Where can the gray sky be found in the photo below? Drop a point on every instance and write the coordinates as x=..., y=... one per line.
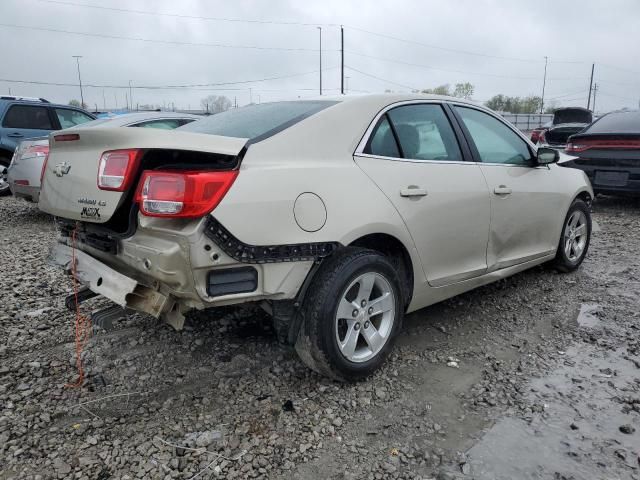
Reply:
x=523, y=31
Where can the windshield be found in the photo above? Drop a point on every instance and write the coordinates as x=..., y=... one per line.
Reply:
x=257, y=122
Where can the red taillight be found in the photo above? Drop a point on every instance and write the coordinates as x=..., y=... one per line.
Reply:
x=580, y=145
x=535, y=135
x=44, y=165
x=117, y=168
x=66, y=137
x=541, y=137
x=22, y=182
x=186, y=194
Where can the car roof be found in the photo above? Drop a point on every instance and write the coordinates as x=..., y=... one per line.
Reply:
x=388, y=98
x=41, y=102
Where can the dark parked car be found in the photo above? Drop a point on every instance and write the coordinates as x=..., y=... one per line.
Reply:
x=566, y=122
x=25, y=117
x=608, y=152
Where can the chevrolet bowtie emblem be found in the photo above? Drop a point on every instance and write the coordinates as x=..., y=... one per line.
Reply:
x=61, y=169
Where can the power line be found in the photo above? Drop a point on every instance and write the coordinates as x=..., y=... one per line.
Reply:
x=166, y=87
x=166, y=42
x=400, y=62
x=189, y=17
x=381, y=79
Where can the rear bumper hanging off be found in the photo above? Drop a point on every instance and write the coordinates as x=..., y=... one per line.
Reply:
x=104, y=280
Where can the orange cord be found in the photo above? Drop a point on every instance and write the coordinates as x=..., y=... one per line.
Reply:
x=83, y=322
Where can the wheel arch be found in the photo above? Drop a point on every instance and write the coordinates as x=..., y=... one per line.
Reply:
x=4, y=152
x=395, y=250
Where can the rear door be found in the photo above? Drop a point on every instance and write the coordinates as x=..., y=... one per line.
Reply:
x=414, y=157
x=525, y=199
x=25, y=121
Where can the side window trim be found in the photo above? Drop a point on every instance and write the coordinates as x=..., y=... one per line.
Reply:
x=382, y=114
x=395, y=134
x=474, y=150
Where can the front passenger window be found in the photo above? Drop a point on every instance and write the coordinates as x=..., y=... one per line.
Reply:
x=495, y=142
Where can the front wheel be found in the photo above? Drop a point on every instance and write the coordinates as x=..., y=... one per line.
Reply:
x=351, y=315
x=576, y=235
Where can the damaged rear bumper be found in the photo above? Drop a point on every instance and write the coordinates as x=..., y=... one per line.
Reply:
x=104, y=280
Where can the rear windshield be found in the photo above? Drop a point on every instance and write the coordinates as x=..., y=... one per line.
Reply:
x=572, y=115
x=257, y=122
x=618, y=122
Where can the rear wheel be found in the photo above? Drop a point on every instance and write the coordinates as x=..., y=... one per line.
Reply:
x=576, y=235
x=351, y=315
x=4, y=184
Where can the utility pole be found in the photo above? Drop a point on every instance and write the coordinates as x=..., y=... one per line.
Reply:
x=104, y=101
x=320, y=51
x=78, y=57
x=342, y=59
x=593, y=65
x=130, y=95
x=544, y=84
x=595, y=90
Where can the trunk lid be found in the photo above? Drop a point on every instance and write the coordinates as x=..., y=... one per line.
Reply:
x=572, y=115
x=69, y=185
x=560, y=134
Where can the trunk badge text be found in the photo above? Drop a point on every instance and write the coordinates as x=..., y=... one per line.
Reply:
x=61, y=169
x=92, y=201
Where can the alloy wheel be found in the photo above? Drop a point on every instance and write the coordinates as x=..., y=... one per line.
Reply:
x=365, y=316
x=575, y=236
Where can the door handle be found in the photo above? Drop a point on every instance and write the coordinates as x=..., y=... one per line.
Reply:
x=413, y=191
x=15, y=135
x=502, y=190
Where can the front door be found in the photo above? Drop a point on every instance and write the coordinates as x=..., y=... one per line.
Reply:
x=525, y=199
x=414, y=157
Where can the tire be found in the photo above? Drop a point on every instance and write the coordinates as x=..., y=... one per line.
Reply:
x=573, y=247
x=4, y=185
x=336, y=309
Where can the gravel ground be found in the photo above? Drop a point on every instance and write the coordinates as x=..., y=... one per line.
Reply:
x=536, y=376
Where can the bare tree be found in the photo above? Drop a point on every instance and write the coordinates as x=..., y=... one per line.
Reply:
x=215, y=103
x=463, y=90
x=439, y=90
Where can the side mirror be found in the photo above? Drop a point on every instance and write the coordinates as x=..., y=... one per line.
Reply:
x=546, y=156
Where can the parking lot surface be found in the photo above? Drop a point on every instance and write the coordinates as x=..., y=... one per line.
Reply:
x=536, y=376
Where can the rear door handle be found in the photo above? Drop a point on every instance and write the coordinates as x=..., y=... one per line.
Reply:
x=413, y=191
x=15, y=135
x=502, y=190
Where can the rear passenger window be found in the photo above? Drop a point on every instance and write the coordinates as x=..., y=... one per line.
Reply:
x=424, y=133
x=27, y=116
x=382, y=143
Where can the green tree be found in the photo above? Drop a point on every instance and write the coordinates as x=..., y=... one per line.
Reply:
x=463, y=90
